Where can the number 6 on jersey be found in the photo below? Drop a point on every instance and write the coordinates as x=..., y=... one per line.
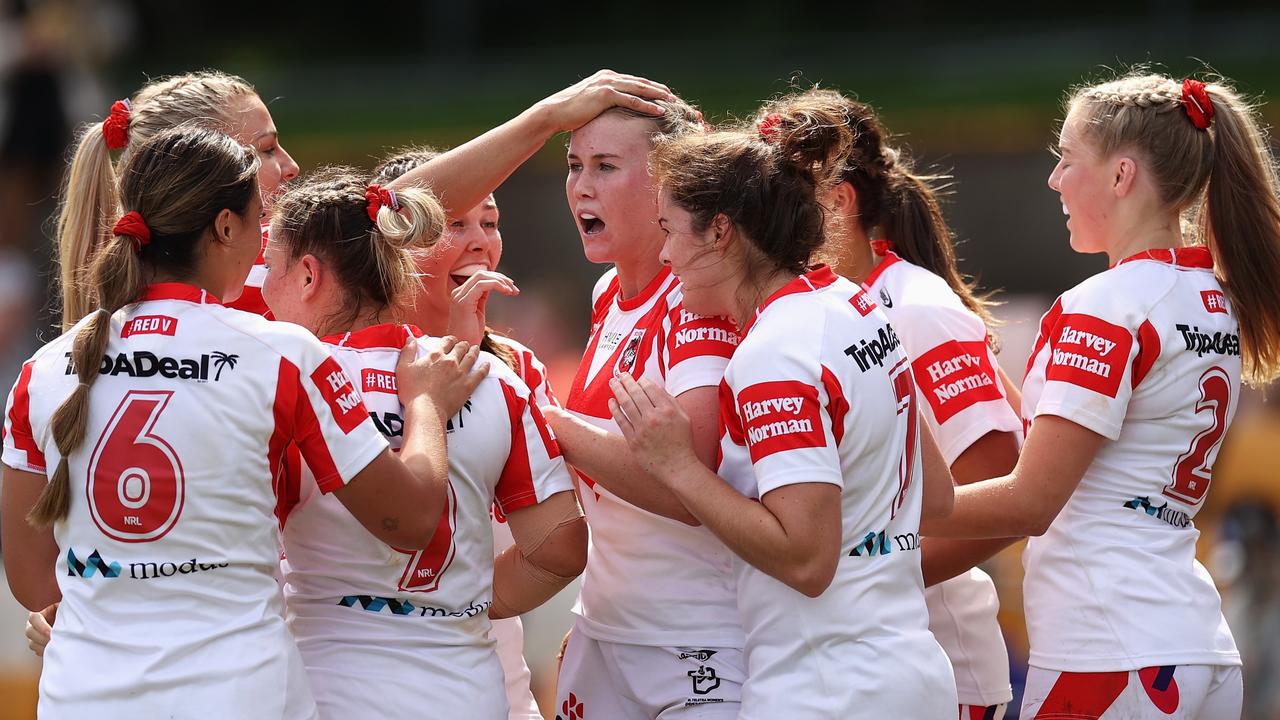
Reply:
x=135, y=483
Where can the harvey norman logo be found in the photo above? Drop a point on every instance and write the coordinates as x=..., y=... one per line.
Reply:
x=713, y=333
x=954, y=376
x=1089, y=352
x=780, y=415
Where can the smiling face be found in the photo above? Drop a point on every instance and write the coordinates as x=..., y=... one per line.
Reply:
x=1085, y=180
x=255, y=128
x=471, y=244
x=610, y=192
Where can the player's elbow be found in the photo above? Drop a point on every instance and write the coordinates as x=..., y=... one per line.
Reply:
x=32, y=591
x=565, y=553
x=811, y=577
x=937, y=505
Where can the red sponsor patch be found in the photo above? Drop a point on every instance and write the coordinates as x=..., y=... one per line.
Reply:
x=150, y=325
x=780, y=415
x=373, y=380
x=956, y=375
x=862, y=302
x=698, y=335
x=1214, y=301
x=336, y=389
x=1089, y=352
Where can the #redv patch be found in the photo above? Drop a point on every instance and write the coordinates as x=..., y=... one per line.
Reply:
x=862, y=302
x=374, y=380
x=336, y=389
x=150, y=325
x=780, y=415
x=955, y=376
x=1089, y=352
x=1214, y=301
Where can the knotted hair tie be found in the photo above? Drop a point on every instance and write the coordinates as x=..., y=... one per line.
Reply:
x=131, y=225
x=1197, y=103
x=881, y=247
x=115, y=129
x=769, y=127
x=377, y=196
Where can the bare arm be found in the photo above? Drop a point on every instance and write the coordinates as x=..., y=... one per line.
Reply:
x=939, y=490
x=399, y=500
x=29, y=553
x=462, y=177
x=993, y=455
x=550, y=551
x=1054, y=459
x=607, y=459
x=792, y=534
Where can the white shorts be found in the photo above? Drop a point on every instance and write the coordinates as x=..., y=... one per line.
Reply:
x=1172, y=692
x=509, y=636
x=618, y=681
x=350, y=681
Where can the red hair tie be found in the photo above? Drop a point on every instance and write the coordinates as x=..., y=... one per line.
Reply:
x=131, y=225
x=769, y=127
x=377, y=196
x=1197, y=103
x=881, y=247
x=115, y=129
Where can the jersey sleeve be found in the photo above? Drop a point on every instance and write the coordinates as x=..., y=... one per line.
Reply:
x=535, y=469
x=785, y=415
x=21, y=450
x=955, y=371
x=1086, y=353
x=533, y=372
x=696, y=349
x=326, y=417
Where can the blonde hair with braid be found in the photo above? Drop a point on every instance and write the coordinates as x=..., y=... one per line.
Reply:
x=1221, y=179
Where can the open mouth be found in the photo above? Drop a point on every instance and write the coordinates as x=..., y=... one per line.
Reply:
x=591, y=225
x=461, y=274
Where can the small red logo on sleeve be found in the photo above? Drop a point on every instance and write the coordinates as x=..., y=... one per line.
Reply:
x=150, y=325
x=862, y=302
x=956, y=375
x=780, y=415
x=694, y=335
x=1089, y=352
x=1214, y=301
x=336, y=389
x=374, y=380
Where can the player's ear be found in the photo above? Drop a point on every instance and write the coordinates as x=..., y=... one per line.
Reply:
x=311, y=277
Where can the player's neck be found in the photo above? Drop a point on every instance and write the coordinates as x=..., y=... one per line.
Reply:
x=365, y=317
x=1148, y=233
x=751, y=295
x=851, y=256
x=635, y=275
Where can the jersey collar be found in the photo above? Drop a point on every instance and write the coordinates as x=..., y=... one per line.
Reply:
x=1196, y=256
x=390, y=336
x=178, y=291
x=648, y=292
x=890, y=257
x=819, y=277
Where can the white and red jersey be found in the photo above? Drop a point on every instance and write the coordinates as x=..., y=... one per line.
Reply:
x=651, y=580
x=341, y=579
x=250, y=299
x=1146, y=354
x=168, y=554
x=955, y=372
x=820, y=391
x=531, y=370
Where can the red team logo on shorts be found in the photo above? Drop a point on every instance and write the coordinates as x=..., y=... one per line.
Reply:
x=780, y=415
x=337, y=390
x=955, y=376
x=1089, y=352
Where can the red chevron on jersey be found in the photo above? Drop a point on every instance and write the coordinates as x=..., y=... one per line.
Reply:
x=780, y=415
x=1089, y=352
x=954, y=376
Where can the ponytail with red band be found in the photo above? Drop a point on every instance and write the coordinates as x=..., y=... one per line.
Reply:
x=131, y=225
x=1197, y=103
x=377, y=196
x=115, y=129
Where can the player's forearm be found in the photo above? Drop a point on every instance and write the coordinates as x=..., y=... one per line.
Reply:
x=424, y=453
x=944, y=558
x=462, y=177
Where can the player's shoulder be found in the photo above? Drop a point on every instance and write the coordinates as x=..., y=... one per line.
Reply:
x=1125, y=293
x=905, y=284
x=605, y=289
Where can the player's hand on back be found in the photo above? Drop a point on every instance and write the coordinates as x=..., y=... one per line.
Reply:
x=656, y=428
x=443, y=376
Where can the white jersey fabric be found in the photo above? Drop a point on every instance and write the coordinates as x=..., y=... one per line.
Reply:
x=955, y=372
x=375, y=621
x=651, y=580
x=820, y=391
x=1146, y=354
x=170, y=607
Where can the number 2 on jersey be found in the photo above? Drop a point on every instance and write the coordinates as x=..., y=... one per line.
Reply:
x=426, y=566
x=905, y=390
x=135, y=483
x=1194, y=470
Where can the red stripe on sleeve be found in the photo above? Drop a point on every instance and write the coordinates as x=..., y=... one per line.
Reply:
x=837, y=405
x=295, y=414
x=1148, y=351
x=20, y=419
x=515, y=487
